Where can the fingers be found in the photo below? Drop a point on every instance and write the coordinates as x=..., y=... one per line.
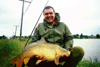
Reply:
x=41, y=57
x=44, y=59
x=37, y=56
x=65, y=56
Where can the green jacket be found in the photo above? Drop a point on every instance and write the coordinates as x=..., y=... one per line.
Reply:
x=58, y=33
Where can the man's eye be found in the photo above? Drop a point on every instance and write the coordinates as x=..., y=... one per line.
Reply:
x=51, y=13
x=46, y=14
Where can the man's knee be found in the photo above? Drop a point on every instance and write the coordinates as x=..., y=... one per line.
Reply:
x=77, y=52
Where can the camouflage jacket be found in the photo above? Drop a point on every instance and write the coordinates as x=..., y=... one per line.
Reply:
x=57, y=33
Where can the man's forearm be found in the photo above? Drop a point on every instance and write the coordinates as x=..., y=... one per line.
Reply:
x=69, y=44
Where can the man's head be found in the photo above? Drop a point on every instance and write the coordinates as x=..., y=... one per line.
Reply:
x=49, y=14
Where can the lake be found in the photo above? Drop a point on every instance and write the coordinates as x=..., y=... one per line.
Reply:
x=90, y=46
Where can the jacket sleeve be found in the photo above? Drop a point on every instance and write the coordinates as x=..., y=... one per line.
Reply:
x=36, y=36
x=68, y=38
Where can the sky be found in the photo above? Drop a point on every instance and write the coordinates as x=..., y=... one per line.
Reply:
x=81, y=16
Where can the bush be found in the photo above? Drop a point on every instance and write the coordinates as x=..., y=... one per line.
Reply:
x=8, y=50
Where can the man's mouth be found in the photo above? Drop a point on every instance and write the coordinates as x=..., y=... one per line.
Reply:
x=49, y=18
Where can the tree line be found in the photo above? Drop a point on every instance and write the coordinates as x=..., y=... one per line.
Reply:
x=81, y=36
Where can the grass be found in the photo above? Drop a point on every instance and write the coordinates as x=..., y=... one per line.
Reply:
x=89, y=63
x=11, y=48
x=8, y=50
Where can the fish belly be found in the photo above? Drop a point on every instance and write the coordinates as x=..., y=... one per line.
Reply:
x=49, y=54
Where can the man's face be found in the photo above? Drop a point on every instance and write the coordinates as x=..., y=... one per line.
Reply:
x=49, y=15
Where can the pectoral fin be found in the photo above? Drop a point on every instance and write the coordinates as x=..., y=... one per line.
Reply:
x=38, y=61
x=26, y=60
x=57, y=60
x=57, y=56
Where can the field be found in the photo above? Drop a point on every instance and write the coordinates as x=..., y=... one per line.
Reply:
x=11, y=48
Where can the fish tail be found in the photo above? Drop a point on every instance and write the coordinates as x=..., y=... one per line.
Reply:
x=16, y=59
x=19, y=64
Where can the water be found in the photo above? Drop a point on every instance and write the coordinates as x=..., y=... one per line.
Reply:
x=90, y=46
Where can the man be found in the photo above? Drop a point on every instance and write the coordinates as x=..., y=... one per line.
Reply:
x=58, y=33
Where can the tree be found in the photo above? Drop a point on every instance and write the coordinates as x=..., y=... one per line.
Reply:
x=3, y=37
x=81, y=36
x=26, y=37
x=76, y=36
x=97, y=36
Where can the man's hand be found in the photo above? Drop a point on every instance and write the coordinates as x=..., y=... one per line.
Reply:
x=41, y=58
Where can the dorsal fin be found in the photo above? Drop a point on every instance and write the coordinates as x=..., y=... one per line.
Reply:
x=42, y=40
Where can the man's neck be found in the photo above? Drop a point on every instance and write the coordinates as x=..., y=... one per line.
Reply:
x=53, y=22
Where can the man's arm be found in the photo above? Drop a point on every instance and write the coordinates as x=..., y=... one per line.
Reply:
x=36, y=35
x=68, y=38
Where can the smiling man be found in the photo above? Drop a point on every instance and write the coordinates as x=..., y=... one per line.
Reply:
x=49, y=15
x=53, y=30
x=56, y=32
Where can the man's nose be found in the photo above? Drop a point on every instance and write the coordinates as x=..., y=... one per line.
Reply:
x=48, y=14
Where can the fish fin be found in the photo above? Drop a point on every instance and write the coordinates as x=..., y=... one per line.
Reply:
x=38, y=61
x=42, y=40
x=57, y=56
x=16, y=59
x=57, y=60
x=26, y=60
x=19, y=64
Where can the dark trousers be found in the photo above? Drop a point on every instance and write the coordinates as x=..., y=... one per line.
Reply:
x=77, y=54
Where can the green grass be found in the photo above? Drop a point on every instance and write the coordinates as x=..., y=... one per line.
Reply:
x=11, y=48
x=89, y=63
x=8, y=50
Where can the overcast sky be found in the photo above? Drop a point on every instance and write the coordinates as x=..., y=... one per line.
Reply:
x=81, y=16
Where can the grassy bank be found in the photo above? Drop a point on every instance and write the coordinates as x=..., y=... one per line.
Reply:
x=11, y=48
x=8, y=50
x=89, y=63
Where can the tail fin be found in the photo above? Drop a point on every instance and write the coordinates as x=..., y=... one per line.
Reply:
x=15, y=59
x=19, y=64
x=18, y=61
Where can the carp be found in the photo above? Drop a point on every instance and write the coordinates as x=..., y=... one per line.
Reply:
x=49, y=51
